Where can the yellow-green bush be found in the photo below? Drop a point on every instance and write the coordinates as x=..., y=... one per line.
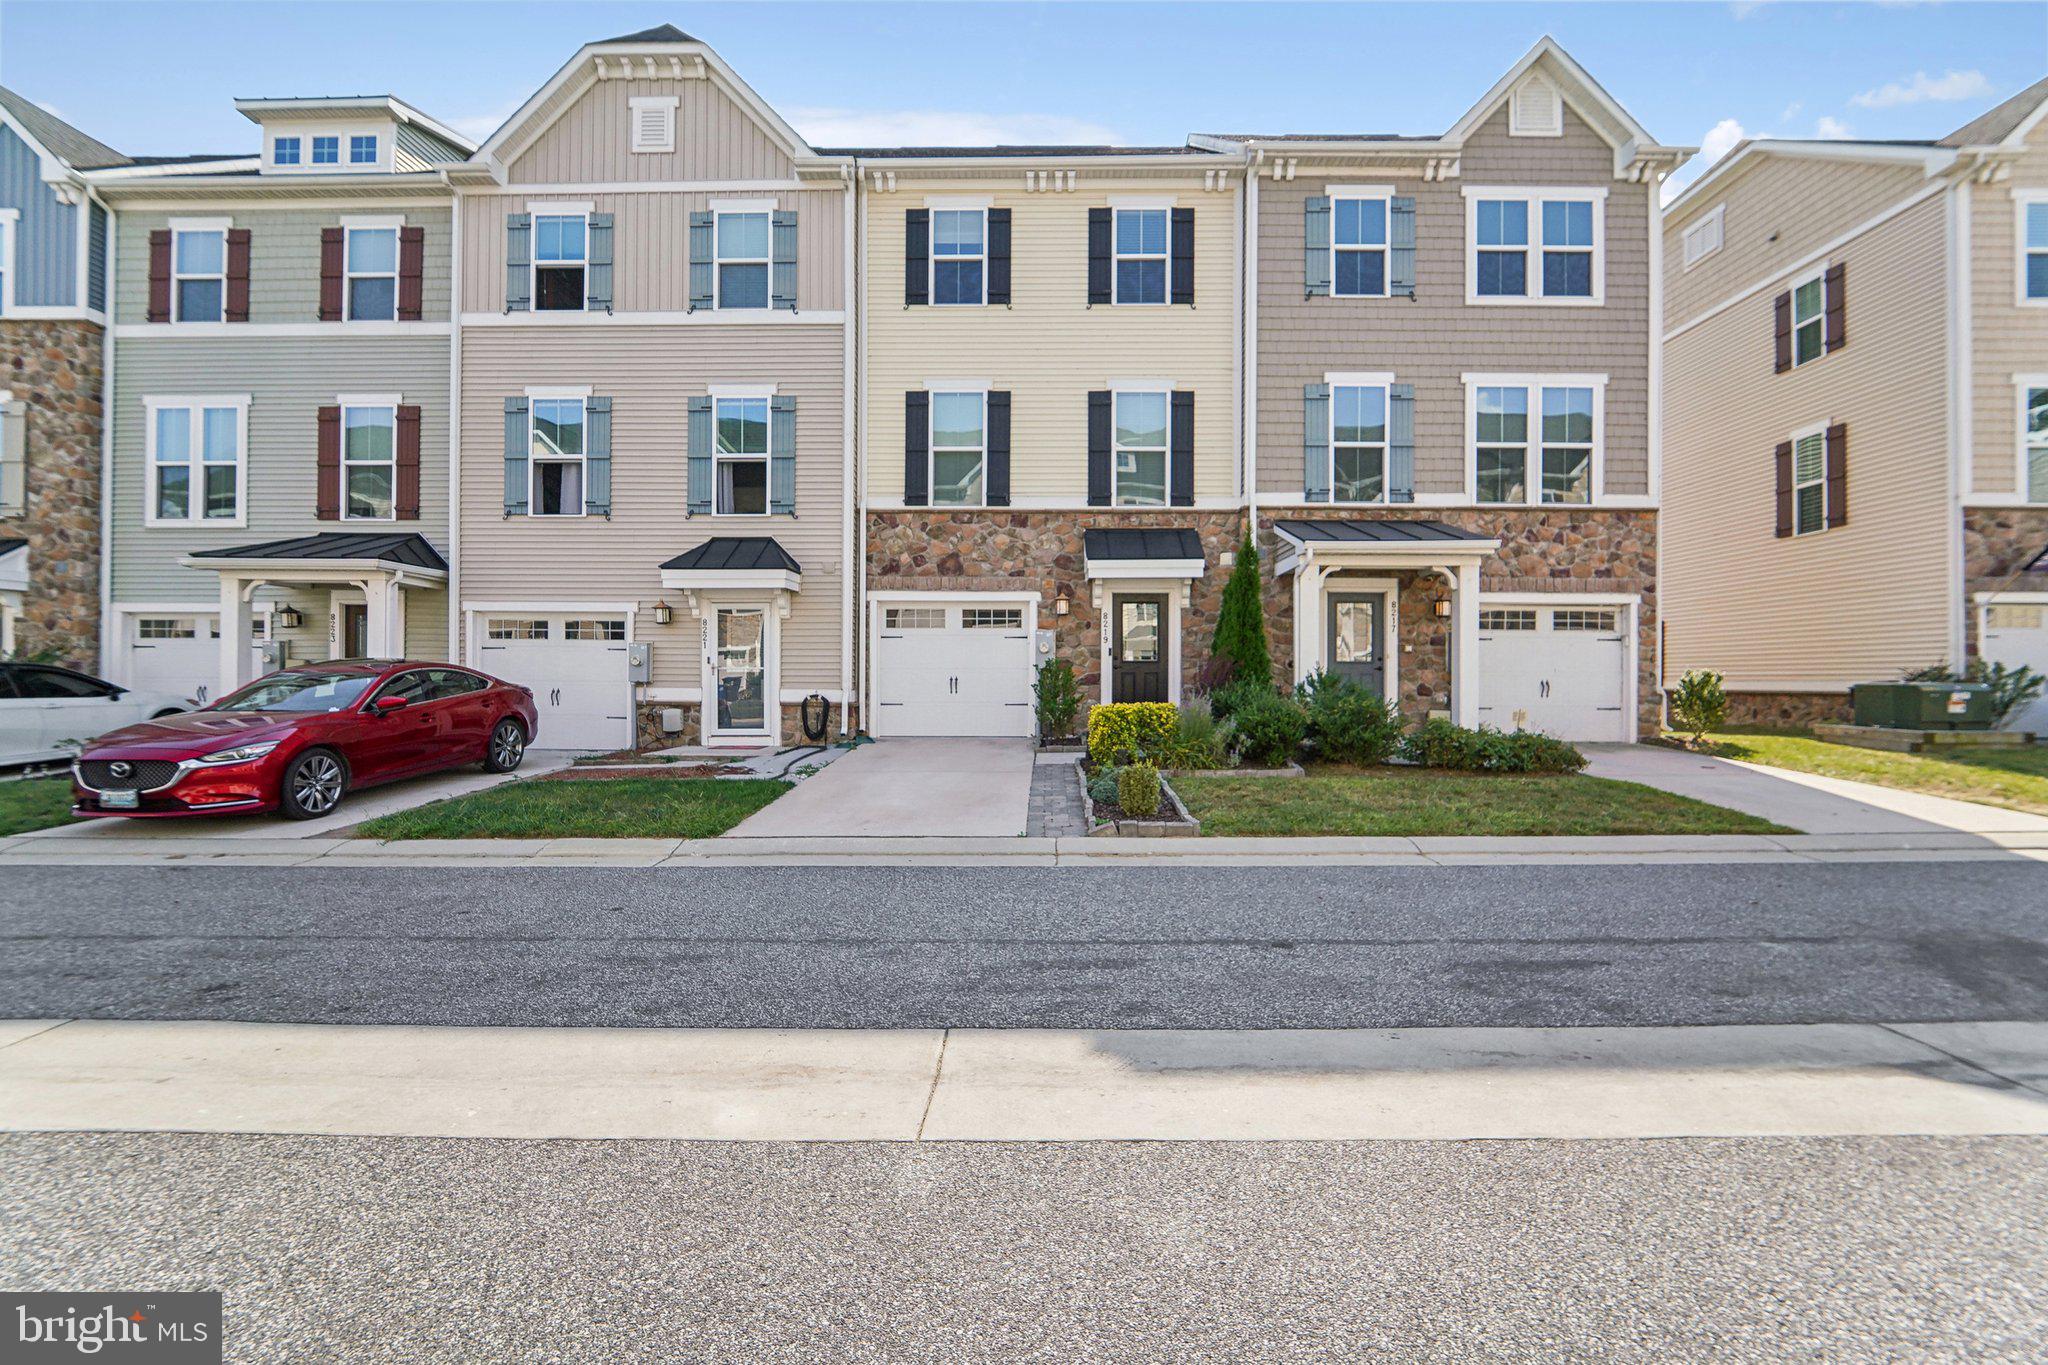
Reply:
x=1139, y=728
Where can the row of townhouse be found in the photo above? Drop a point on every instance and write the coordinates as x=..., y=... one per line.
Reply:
x=696, y=429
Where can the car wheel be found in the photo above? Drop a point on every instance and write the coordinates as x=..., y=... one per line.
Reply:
x=507, y=749
x=313, y=785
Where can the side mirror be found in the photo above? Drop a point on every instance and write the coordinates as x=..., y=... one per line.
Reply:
x=384, y=706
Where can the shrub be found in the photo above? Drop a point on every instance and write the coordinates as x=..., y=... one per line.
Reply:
x=1139, y=729
x=2011, y=688
x=1102, y=787
x=1269, y=729
x=1198, y=741
x=1348, y=723
x=1225, y=701
x=1698, y=705
x=1137, y=790
x=1438, y=743
x=1241, y=621
x=1057, y=697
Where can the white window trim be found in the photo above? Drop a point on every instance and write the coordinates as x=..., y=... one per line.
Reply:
x=536, y=212
x=2020, y=200
x=667, y=104
x=765, y=459
x=1532, y=274
x=1116, y=257
x=195, y=225
x=196, y=495
x=10, y=220
x=349, y=227
x=534, y=461
x=1117, y=392
x=387, y=402
x=724, y=208
x=376, y=149
x=299, y=149
x=1819, y=274
x=717, y=391
x=932, y=258
x=1532, y=458
x=931, y=445
x=1335, y=380
x=1716, y=218
x=771, y=606
x=1819, y=429
x=1363, y=193
x=2021, y=383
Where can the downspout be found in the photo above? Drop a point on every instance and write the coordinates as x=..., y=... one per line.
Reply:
x=849, y=508
x=1961, y=381
x=867, y=722
x=106, y=555
x=1248, y=342
x=455, y=612
x=1655, y=437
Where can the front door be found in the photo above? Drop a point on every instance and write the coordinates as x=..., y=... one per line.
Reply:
x=355, y=630
x=739, y=668
x=1356, y=646
x=1138, y=659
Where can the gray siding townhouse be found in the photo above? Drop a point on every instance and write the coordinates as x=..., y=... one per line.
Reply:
x=282, y=328
x=654, y=420
x=1451, y=387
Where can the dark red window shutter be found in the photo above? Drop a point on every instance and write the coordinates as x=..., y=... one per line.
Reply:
x=333, y=243
x=159, y=276
x=1782, y=310
x=1838, y=474
x=408, y=496
x=327, y=500
x=1784, y=461
x=237, y=306
x=1836, y=322
x=412, y=252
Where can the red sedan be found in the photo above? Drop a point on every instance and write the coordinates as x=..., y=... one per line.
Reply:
x=296, y=741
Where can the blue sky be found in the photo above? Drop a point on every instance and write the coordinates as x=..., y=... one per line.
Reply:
x=157, y=78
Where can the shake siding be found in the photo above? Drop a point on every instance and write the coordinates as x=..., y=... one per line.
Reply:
x=1049, y=348
x=650, y=374
x=590, y=144
x=1853, y=603
x=2007, y=338
x=46, y=237
x=284, y=259
x=651, y=245
x=1432, y=340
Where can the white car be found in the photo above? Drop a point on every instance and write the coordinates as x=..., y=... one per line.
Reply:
x=47, y=712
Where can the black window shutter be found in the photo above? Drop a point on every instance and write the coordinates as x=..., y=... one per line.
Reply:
x=998, y=436
x=999, y=256
x=1838, y=475
x=1182, y=249
x=1098, y=447
x=917, y=437
x=1100, y=223
x=917, y=250
x=1781, y=312
x=1180, y=475
x=1836, y=319
x=1783, y=458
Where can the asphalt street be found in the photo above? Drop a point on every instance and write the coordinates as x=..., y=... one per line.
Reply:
x=1136, y=947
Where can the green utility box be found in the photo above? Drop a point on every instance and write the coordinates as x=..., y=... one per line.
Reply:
x=1922, y=705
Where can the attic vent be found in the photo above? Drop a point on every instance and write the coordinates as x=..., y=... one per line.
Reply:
x=1535, y=110
x=653, y=122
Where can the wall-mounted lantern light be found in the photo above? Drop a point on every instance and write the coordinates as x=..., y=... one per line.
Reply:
x=662, y=614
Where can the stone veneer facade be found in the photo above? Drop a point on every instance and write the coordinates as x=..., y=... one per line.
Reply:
x=648, y=734
x=1996, y=542
x=1787, y=710
x=56, y=368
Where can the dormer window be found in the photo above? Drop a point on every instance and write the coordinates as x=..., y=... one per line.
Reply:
x=560, y=255
x=362, y=149
x=284, y=152
x=326, y=151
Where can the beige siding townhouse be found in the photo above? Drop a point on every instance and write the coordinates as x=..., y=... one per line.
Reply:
x=1453, y=456
x=1856, y=413
x=655, y=507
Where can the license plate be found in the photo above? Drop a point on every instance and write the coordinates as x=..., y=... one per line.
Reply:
x=120, y=800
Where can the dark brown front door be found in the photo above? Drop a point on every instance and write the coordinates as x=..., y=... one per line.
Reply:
x=1138, y=663
x=355, y=630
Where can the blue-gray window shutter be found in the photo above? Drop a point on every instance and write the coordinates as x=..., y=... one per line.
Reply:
x=1182, y=249
x=996, y=478
x=917, y=448
x=1101, y=236
x=701, y=457
x=917, y=251
x=999, y=256
x=597, y=282
x=1401, y=443
x=1401, y=247
x=782, y=455
x=1315, y=442
x=700, y=261
x=516, y=449
x=1315, y=245
x=597, y=457
x=1180, y=457
x=1101, y=433
x=782, y=278
x=518, y=262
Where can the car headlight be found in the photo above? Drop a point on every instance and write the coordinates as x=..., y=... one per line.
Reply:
x=248, y=753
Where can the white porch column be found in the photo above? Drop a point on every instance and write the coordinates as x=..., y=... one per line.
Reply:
x=235, y=668
x=1307, y=582
x=1465, y=646
x=381, y=614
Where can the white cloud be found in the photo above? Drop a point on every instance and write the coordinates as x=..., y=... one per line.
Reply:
x=1832, y=129
x=1742, y=9
x=1718, y=141
x=477, y=127
x=824, y=127
x=1948, y=87
x=1791, y=111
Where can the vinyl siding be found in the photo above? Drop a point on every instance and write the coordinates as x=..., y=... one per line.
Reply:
x=1432, y=340
x=1049, y=348
x=650, y=373
x=2007, y=338
x=651, y=246
x=1854, y=603
x=589, y=144
x=46, y=237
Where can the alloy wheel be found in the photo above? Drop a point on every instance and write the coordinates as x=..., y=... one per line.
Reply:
x=316, y=784
x=507, y=745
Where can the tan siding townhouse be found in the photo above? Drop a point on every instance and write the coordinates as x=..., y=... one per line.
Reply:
x=1856, y=413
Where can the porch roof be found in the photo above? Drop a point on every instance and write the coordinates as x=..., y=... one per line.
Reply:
x=1392, y=541
x=1143, y=552
x=400, y=551
x=735, y=562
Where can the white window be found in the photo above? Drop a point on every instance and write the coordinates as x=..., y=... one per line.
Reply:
x=2034, y=441
x=2033, y=234
x=371, y=253
x=1703, y=238
x=199, y=273
x=1535, y=439
x=992, y=618
x=1535, y=245
x=502, y=629
x=166, y=628
x=196, y=460
x=326, y=151
x=1809, y=313
x=742, y=262
x=2013, y=616
x=284, y=151
x=653, y=121
x=1501, y=457
x=959, y=449
x=1358, y=443
x=1567, y=443
x=1810, y=482
x=1358, y=246
x=369, y=461
x=362, y=150
x=1582, y=618
x=914, y=618
x=742, y=457
x=556, y=453
x=1141, y=252
x=613, y=628
x=959, y=256
x=560, y=261
x=1515, y=618
x=1139, y=460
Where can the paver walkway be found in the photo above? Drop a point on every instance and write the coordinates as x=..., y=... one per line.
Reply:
x=911, y=788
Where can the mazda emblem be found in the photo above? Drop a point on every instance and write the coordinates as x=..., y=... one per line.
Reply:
x=121, y=769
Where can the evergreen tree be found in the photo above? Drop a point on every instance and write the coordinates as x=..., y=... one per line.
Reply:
x=1241, y=624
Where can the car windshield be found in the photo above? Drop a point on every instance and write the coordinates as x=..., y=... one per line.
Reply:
x=300, y=692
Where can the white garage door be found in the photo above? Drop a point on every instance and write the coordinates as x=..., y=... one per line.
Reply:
x=954, y=668
x=1562, y=671
x=2016, y=634
x=181, y=654
x=576, y=669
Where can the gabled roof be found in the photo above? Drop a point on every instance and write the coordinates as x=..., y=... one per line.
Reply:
x=384, y=106
x=56, y=138
x=736, y=554
x=2007, y=123
x=660, y=33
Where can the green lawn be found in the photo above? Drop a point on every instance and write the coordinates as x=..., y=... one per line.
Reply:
x=1416, y=801
x=2016, y=779
x=616, y=808
x=37, y=803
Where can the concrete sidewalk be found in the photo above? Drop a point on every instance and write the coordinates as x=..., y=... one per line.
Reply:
x=1022, y=1085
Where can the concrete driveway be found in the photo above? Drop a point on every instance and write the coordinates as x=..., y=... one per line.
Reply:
x=908, y=788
